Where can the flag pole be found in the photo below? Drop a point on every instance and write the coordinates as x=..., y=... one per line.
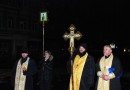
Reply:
x=43, y=36
x=43, y=18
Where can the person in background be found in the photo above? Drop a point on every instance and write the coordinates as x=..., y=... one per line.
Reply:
x=46, y=70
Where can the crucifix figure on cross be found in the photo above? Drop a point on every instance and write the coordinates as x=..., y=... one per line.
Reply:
x=72, y=35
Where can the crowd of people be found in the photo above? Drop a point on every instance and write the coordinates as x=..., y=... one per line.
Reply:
x=81, y=67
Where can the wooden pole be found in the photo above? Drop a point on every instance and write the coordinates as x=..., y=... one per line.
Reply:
x=43, y=37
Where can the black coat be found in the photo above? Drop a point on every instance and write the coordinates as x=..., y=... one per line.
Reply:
x=46, y=74
x=87, y=78
x=88, y=74
x=115, y=82
x=47, y=69
x=31, y=71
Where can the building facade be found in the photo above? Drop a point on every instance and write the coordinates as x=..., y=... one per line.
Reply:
x=19, y=26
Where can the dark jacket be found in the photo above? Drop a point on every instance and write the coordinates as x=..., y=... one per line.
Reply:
x=46, y=74
x=47, y=68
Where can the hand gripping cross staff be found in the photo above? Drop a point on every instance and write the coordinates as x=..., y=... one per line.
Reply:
x=72, y=36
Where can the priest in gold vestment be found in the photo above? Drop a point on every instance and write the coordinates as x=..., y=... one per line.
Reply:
x=109, y=71
x=23, y=71
x=83, y=70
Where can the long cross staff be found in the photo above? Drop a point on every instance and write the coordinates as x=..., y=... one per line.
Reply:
x=72, y=36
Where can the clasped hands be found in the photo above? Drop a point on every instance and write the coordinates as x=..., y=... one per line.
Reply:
x=105, y=77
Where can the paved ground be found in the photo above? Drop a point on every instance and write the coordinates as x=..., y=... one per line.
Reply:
x=60, y=81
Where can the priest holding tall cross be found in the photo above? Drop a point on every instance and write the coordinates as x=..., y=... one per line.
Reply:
x=82, y=64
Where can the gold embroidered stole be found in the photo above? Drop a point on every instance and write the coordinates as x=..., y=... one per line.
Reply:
x=20, y=78
x=78, y=66
x=105, y=64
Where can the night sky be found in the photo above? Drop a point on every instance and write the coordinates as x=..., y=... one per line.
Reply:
x=100, y=21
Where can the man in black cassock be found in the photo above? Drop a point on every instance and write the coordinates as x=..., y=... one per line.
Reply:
x=23, y=72
x=109, y=71
x=83, y=70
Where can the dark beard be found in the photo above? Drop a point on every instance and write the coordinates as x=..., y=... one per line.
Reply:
x=23, y=60
x=82, y=54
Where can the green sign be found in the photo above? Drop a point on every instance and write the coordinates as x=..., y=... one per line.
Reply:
x=43, y=16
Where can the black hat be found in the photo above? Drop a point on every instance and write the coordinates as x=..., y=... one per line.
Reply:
x=24, y=50
x=83, y=45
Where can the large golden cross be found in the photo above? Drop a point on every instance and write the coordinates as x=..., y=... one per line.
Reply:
x=72, y=36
